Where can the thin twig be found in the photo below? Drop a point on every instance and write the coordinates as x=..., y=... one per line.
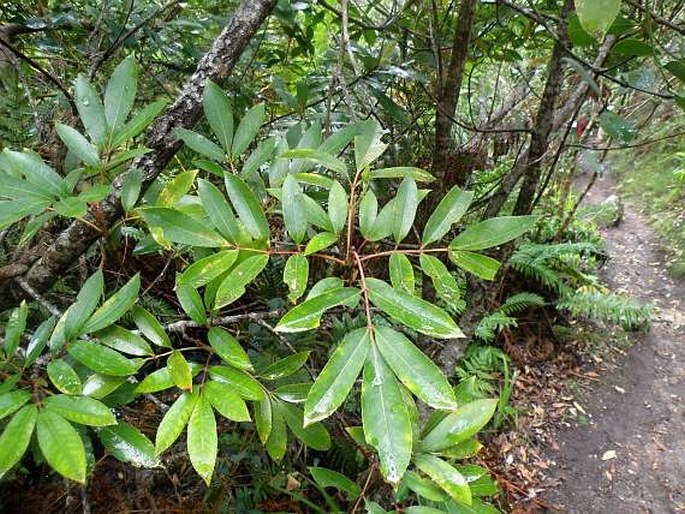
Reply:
x=37, y=296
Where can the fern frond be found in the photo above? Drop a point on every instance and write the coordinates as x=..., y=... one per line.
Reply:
x=520, y=302
x=612, y=307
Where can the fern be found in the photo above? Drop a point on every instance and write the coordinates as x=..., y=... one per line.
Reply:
x=623, y=311
x=482, y=363
x=502, y=318
x=520, y=302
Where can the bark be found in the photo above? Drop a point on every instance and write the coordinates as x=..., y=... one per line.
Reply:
x=215, y=65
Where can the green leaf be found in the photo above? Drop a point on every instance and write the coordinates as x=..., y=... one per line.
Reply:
x=387, y=426
x=12, y=401
x=64, y=378
x=61, y=445
x=444, y=283
x=150, y=327
x=16, y=437
x=225, y=401
x=373, y=508
x=412, y=311
x=37, y=172
x=102, y=359
x=121, y=93
x=86, y=301
x=416, y=371
x=205, y=270
x=192, y=304
x=79, y=145
x=38, y=341
x=677, y=68
x=263, y=419
x=115, y=306
x=337, y=377
x=80, y=409
x=217, y=108
x=402, y=273
x=314, y=213
x=424, y=488
x=295, y=275
x=324, y=159
x=278, y=435
x=328, y=478
x=180, y=371
x=259, y=156
x=242, y=383
x=418, y=174
x=226, y=347
x=91, y=111
x=480, y=265
x=128, y=444
x=448, y=478
x=632, y=47
x=294, y=215
x=596, y=16
x=247, y=206
x=337, y=207
x=284, y=367
x=617, y=127
x=200, y=144
x=181, y=228
x=156, y=381
x=307, y=315
x=293, y=393
x=174, y=421
x=220, y=213
x=460, y=425
x=138, y=123
x=202, y=439
x=124, y=341
x=175, y=190
x=130, y=189
x=99, y=386
x=14, y=328
x=247, y=130
x=450, y=210
x=320, y=242
x=368, y=145
x=233, y=286
x=493, y=232
x=315, y=435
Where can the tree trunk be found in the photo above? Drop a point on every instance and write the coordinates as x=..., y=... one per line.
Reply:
x=215, y=65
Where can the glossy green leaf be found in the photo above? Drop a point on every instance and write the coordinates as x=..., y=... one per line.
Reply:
x=418, y=174
x=373, y=508
x=278, y=436
x=314, y=213
x=444, y=283
x=37, y=173
x=447, y=477
x=387, y=426
x=61, y=445
x=324, y=159
x=130, y=189
x=150, y=327
x=128, y=444
x=596, y=16
x=284, y=367
x=242, y=383
x=233, y=286
x=86, y=302
x=174, y=191
x=460, y=425
x=247, y=130
x=99, y=386
x=325, y=477
x=384, y=223
x=617, y=127
x=247, y=206
x=14, y=328
x=63, y=377
x=102, y=359
x=423, y=487
x=226, y=402
x=181, y=228
x=450, y=210
x=412, y=311
x=115, y=306
x=156, y=381
x=368, y=211
x=179, y=371
x=124, y=341
x=402, y=273
x=368, y=145
x=293, y=393
x=632, y=47
x=337, y=207
x=16, y=437
x=217, y=109
x=295, y=276
x=226, y=347
x=38, y=341
x=263, y=419
x=138, y=123
x=207, y=269
x=120, y=93
x=200, y=144
x=307, y=315
x=416, y=371
x=174, y=421
x=320, y=242
x=192, y=304
x=12, y=401
x=294, y=215
x=80, y=409
x=314, y=435
x=480, y=265
x=479, y=481
x=404, y=206
x=203, y=439
x=337, y=377
x=91, y=111
x=493, y=232
x=259, y=157
x=78, y=145
x=219, y=211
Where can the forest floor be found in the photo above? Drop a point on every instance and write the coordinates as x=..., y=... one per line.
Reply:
x=626, y=453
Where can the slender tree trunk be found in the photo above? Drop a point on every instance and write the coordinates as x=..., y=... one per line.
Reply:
x=216, y=64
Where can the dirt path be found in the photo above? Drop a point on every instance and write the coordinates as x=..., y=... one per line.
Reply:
x=638, y=409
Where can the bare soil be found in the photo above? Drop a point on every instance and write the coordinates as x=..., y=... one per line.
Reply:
x=630, y=458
